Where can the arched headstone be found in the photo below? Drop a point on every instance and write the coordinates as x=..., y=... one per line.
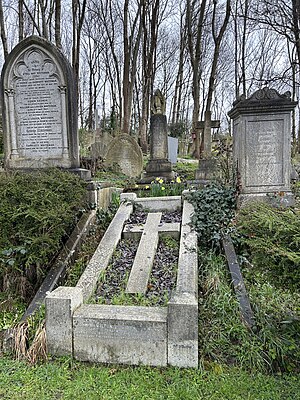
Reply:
x=124, y=151
x=39, y=107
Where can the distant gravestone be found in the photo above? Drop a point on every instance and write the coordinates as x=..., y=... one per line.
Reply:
x=261, y=144
x=39, y=107
x=99, y=148
x=158, y=165
x=125, y=152
x=172, y=149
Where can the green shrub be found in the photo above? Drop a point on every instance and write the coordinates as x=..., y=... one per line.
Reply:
x=214, y=207
x=38, y=211
x=272, y=236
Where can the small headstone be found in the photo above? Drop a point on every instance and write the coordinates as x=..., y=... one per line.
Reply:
x=125, y=152
x=158, y=165
x=172, y=149
x=39, y=107
x=99, y=148
x=261, y=145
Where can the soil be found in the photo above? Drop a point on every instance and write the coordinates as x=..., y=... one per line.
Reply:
x=163, y=275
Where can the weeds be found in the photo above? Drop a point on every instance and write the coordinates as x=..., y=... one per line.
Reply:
x=273, y=346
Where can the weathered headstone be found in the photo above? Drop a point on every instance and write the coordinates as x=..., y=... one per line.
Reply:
x=125, y=152
x=261, y=144
x=99, y=148
x=172, y=149
x=158, y=165
x=39, y=107
x=207, y=164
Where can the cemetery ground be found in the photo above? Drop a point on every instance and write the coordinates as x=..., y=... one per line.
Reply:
x=235, y=362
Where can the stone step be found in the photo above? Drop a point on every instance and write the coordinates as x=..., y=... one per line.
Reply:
x=142, y=265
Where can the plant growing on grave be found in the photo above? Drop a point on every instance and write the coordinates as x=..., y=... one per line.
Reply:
x=37, y=213
x=273, y=345
x=214, y=209
x=272, y=237
x=159, y=187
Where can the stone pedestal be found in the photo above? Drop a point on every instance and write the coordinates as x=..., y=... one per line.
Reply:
x=159, y=165
x=261, y=146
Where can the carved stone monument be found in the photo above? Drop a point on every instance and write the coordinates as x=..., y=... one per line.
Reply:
x=39, y=107
x=158, y=165
x=125, y=152
x=261, y=145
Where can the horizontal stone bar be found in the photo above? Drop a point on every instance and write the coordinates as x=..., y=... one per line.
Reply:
x=168, y=203
x=120, y=334
x=135, y=231
x=142, y=265
x=104, y=251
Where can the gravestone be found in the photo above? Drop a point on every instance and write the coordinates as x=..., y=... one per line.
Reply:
x=261, y=145
x=125, y=152
x=172, y=149
x=99, y=148
x=39, y=107
x=207, y=165
x=158, y=165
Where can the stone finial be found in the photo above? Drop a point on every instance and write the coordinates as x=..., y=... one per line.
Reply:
x=158, y=103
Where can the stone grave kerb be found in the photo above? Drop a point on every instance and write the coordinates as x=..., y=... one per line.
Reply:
x=62, y=70
x=262, y=144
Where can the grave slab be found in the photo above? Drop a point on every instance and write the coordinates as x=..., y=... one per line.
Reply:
x=120, y=334
x=104, y=251
x=141, y=269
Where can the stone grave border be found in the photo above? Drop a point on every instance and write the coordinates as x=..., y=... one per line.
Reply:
x=157, y=336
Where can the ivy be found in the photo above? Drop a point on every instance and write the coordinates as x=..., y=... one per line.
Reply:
x=214, y=207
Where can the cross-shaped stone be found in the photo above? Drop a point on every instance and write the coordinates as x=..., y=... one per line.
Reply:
x=206, y=126
x=148, y=234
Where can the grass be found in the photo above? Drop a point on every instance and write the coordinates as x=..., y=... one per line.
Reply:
x=66, y=379
x=273, y=346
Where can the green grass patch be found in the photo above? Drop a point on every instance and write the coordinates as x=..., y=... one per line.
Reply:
x=272, y=346
x=186, y=171
x=66, y=379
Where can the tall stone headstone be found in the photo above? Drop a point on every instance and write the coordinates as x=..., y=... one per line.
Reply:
x=39, y=107
x=158, y=165
x=261, y=144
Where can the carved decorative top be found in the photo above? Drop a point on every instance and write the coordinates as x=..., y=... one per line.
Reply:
x=264, y=101
x=158, y=103
x=269, y=94
x=264, y=94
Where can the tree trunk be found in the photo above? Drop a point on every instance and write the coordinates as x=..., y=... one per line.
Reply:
x=3, y=32
x=57, y=28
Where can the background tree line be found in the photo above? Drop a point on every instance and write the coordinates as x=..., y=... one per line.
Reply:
x=201, y=54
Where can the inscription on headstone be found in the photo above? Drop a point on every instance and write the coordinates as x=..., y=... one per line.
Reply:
x=40, y=118
x=265, y=153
